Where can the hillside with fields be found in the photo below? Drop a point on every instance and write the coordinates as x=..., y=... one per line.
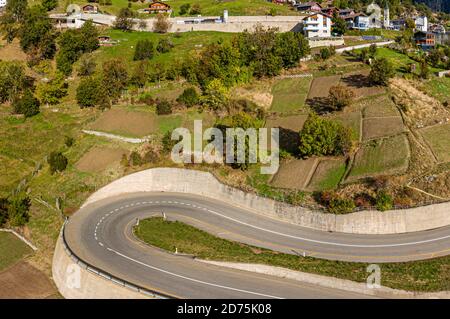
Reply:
x=365, y=129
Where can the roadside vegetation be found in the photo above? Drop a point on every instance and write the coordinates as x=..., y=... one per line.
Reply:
x=427, y=275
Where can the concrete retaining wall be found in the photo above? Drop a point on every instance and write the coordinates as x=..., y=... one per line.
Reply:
x=205, y=184
x=330, y=282
x=76, y=282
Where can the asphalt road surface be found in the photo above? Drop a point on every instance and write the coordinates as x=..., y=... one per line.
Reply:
x=101, y=235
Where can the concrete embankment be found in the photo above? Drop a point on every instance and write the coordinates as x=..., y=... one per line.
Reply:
x=205, y=184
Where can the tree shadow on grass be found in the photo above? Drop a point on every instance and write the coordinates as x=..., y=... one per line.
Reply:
x=356, y=80
x=320, y=105
x=289, y=140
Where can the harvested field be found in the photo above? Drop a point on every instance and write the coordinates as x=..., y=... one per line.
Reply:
x=127, y=123
x=12, y=249
x=351, y=120
x=381, y=106
x=382, y=126
x=24, y=281
x=360, y=84
x=97, y=159
x=289, y=95
x=438, y=138
x=328, y=174
x=381, y=157
x=294, y=174
x=320, y=87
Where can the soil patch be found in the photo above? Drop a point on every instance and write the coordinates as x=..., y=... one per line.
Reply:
x=25, y=282
x=97, y=159
x=128, y=123
x=294, y=174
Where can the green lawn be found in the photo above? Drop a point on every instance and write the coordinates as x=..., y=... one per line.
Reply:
x=289, y=95
x=328, y=175
x=428, y=275
x=438, y=88
x=12, y=250
x=167, y=123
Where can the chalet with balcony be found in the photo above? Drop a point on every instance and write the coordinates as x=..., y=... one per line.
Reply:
x=317, y=25
x=158, y=7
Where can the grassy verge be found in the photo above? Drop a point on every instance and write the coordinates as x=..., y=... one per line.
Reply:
x=428, y=275
x=11, y=250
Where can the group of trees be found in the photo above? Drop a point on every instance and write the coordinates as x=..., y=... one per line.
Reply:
x=32, y=26
x=73, y=43
x=262, y=52
x=105, y=88
x=17, y=89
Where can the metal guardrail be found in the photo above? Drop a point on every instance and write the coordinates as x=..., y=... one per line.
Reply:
x=106, y=275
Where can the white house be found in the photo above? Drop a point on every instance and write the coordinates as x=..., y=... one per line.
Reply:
x=317, y=25
x=3, y=3
x=421, y=24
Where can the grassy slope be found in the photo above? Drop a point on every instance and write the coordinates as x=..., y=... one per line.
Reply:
x=11, y=250
x=289, y=95
x=429, y=275
x=184, y=43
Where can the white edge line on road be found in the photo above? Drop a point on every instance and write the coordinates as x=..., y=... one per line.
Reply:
x=191, y=279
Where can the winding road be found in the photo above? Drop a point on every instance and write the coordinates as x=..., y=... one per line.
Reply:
x=101, y=235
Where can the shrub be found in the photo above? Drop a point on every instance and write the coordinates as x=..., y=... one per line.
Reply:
x=380, y=72
x=189, y=97
x=384, y=201
x=321, y=136
x=163, y=107
x=162, y=24
x=164, y=45
x=69, y=141
x=124, y=161
x=18, y=210
x=135, y=159
x=144, y=50
x=216, y=95
x=196, y=9
x=340, y=96
x=4, y=203
x=326, y=53
x=184, y=8
x=341, y=206
x=87, y=66
x=27, y=105
x=296, y=198
x=57, y=161
x=168, y=143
